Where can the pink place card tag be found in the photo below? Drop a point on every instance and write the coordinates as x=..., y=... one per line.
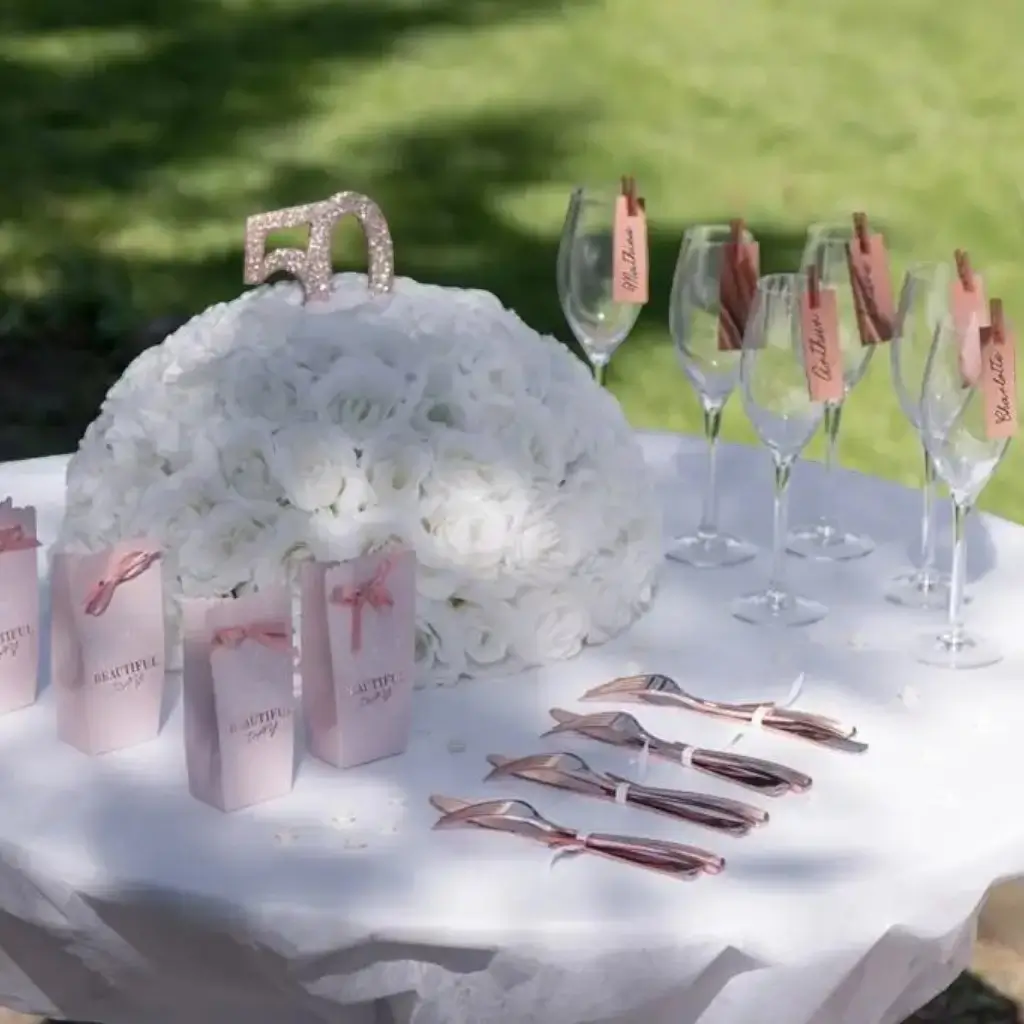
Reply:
x=19, y=607
x=358, y=652
x=238, y=698
x=737, y=285
x=999, y=375
x=970, y=315
x=107, y=645
x=629, y=265
x=871, y=283
x=819, y=334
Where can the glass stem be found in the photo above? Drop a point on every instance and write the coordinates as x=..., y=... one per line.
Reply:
x=599, y=369
x=712, y=428
x=927, y=517
x=777, y=579
x=955, y=632
x=833, y=417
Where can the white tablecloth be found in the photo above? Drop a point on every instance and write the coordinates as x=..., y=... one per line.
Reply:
x=122, y=900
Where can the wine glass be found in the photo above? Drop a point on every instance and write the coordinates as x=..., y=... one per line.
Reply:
x=694, y=311
x=923, y=304
x=826, y=250
x=953, y=426
x=776, y=397
x=586, y=259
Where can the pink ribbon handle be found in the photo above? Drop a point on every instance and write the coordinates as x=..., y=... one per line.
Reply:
x=373, y=593
x=131, y=567
x=274, y=635
x=14, y=538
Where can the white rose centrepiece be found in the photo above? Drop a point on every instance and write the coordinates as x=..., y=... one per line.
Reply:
x=265, y=432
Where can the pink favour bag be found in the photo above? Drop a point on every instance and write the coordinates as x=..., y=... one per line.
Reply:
x=19, y=607
x=238, y=698
x=358, y=652
x=107, y=644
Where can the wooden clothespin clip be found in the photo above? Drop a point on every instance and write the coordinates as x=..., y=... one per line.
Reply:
x=813, y=288
x=963, y=270
x=998, y=321
x=633, y=204
x=860, y=227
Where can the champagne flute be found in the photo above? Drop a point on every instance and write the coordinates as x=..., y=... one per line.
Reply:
x=586, y=261
x=954, y=429
x=826, y=250
x=923, y=305
x=776, y=397
x=694, y=314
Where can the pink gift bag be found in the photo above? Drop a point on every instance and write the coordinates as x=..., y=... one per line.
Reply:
x=107, y=645
x=238, y=698
x=358, y=653
x=19, y=607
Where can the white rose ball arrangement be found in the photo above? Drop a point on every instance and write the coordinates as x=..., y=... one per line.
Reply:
x=265, y=432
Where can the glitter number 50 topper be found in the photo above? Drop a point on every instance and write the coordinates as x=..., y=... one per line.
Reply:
x=312, y=267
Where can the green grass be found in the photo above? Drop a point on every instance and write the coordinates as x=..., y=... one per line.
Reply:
x=138, y=134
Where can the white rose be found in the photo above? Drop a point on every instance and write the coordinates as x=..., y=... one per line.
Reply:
x=466, y=528
x=312, y=464
x=223, y=555
x=449, y=647
x=250, y=389
x=485, y=632
x=550, y=626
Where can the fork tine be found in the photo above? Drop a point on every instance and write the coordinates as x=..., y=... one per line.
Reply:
x=562, y=716
x=621, y=685
x=510, y=765
x=447, y=804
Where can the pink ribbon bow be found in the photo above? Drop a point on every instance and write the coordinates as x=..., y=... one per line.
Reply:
x=274, y=635
x=133, y=565
x=373, y=593
x=14, y=538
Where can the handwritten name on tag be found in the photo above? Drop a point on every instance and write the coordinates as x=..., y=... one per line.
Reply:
x=629, y=238
x=999, y=376
x=819, y=334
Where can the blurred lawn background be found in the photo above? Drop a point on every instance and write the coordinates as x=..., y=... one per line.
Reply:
x=139, y=134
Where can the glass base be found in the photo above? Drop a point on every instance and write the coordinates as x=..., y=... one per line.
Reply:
x=919, y=588
x=704, y=550
x=828, y=543
x=777, y=608
x=957, y=652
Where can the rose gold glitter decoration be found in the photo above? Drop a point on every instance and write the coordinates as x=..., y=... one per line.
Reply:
x=313, y=267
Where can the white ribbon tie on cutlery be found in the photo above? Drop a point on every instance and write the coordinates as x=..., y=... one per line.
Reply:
x=622, y=793
x=686, y=757
x=756, y=722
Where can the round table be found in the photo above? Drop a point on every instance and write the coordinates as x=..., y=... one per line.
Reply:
x=123, y=900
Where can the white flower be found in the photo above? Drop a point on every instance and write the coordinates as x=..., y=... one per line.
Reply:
x=265, y=432
x=551, y=627
x=311, y=463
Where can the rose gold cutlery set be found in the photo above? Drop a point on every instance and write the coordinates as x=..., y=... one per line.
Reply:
x=571, y=773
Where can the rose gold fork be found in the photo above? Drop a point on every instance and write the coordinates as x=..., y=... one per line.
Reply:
x=662, y=691
x=519, y=818
x=570, y=772
x=622, y=730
